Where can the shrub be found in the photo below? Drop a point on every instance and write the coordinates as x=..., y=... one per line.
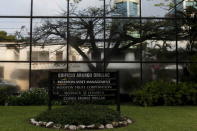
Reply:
x=36, y=96
x=6, y=91
x=80, y=114
x=187, y=94
x=162, y=93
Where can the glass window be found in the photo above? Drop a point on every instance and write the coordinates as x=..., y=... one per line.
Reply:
x=59, y=55
x=14, y=39
x=15, y=74
x=123, y=8
x=157, y=8
x=143, y=41
x=159, y=71
x=122, y=40
x=86, y=39
x=187, y=72
x=49, y=38
x=129, y=75
x=15, y=8
x=49, y=7
x=42, y=70
x=91, y=8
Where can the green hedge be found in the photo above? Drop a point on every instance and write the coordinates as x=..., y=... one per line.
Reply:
x=163, y=93
x=36, y=96
x=80, y=114
x=6, y=91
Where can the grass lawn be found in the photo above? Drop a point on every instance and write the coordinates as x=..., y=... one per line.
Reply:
x=146, y=118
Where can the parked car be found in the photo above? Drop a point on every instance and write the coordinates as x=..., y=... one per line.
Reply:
x=13, y=88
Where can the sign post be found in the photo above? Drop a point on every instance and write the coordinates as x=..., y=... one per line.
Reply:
x=84, y=87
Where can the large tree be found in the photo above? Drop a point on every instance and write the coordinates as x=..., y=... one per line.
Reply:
x=86, y=29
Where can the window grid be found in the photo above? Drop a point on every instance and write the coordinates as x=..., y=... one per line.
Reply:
x=104, y=17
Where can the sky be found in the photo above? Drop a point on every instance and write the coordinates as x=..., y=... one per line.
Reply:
x=55, y=8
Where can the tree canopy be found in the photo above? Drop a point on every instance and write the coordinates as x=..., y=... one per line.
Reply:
x=86, y=29
x=4, y=37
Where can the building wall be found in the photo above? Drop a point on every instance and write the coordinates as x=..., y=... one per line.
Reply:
x=18, y=72
x=127, y=8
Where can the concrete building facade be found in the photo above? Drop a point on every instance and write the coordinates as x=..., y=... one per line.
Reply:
x=127, y=8
x=181, y=5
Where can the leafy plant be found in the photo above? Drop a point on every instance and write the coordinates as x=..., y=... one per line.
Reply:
x=164, y=93
x=80, y=114
x=5, y=92
x=36, y=96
